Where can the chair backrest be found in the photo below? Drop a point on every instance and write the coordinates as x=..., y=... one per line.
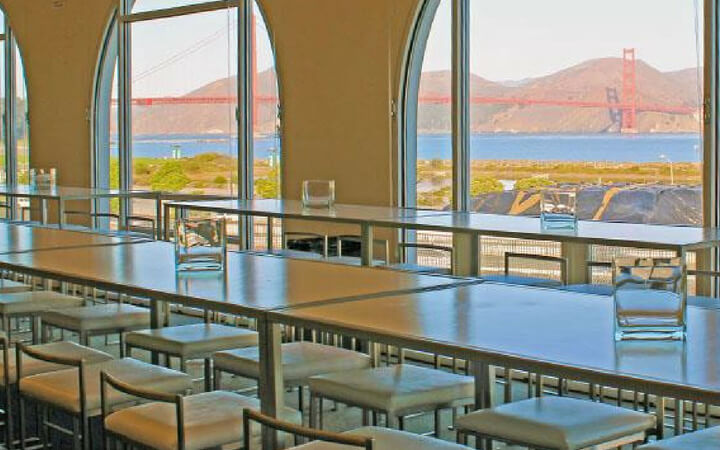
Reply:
x=298, y=430
x=108, y=382
x=404, y=246
x=562, y=262
x=307, y=234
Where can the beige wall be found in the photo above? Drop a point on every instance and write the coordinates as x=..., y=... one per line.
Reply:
x=60, y=42
x=338, y=63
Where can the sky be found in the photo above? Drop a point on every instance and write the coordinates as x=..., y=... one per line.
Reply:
x=510, y=40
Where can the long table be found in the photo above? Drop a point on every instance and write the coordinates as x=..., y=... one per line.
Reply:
x=560, y=334
x=24, y=238
x=467, y=226
x=62, y=194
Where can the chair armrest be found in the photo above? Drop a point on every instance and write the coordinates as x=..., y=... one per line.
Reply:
x=547, y=258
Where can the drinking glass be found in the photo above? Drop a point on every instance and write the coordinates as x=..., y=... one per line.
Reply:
x=558, y=209
x=318, y=193
x=43, y=180
x=650, y=298
x=200, y=244
x=53, y=177
x=32, y=176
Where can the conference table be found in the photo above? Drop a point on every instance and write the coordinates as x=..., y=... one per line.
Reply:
x=466, y=226
x=544, y=331
x=63, y=194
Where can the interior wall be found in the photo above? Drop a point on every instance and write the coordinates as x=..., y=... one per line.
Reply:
x=60, y=41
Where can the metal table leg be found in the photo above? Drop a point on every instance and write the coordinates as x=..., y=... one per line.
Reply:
x=270, y=385
x=269, y=233
x=367, y=241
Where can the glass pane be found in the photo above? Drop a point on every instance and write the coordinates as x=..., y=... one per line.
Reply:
x=434, y=122
x=266, y=129
x=2, y=108
x=151, y=5
x=183, y=106
x=22, y=132
x=600, y=96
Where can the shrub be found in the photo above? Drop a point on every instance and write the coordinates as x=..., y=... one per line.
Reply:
x=484, y=185
x=532, y=183
x=169, y=177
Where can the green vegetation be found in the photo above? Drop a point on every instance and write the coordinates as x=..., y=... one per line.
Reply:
x=532, y=183
x=484, y=185
x=268, y=186
x=170, y=177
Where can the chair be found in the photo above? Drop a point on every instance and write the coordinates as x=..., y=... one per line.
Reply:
x=707, y=439
x=300, y=361
x=527, y=280
x=31, y=304
x=31, y=366
x=309, y=253
x=76, y=390
x=342, y=257
x=97, y=320
x=557, y=423
x=368, y=438
x=171, y=421
x=396, y=391
x=404, y=246
x=196, y=341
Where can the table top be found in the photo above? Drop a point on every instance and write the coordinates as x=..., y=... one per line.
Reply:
x=293, y=209
x=589, y=232
x=251, y=284
x=23, y=238
x=554, y=332
x=66, y=192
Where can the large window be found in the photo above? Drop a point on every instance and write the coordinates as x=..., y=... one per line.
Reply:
x=601, y=96
x=169, y=118
x=14, y=145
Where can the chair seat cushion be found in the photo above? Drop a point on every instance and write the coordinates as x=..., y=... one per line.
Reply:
x=524, y=281
x=192, y=341
x=36, y=301
x=61, y=388
x=300, y=360
x=399, y=390
x=99, y=317
x=10, y=287
x=708, y=439
x=386, y=439
x=556, y=422
x=212, y=419
x=65, y=349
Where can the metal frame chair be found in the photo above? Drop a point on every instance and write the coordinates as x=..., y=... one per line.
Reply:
x=7, y=414
x=301, y=234
x=300, y=431
x=108, y=381
x=356, y=239
x=402, y=256
x=547, y=258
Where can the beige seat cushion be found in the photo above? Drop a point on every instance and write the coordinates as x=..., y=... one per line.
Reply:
x=61, y=388
x=300, y=361
x=36, y=301
x=99, y=317
x=708, y=439
x=557, y=422
x=192, y=341
x=399, y=390
x=211, y=419
x=386, y=439
x=9, y=286
x=32, y=366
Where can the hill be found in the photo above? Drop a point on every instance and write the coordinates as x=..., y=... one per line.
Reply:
x=597, y=80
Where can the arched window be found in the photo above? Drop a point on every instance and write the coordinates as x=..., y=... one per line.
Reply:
x=14, y=145
x=504, y=99
x=167, y=111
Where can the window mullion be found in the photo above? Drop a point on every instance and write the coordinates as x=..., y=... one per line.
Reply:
x=125, y=103
x=461, y=103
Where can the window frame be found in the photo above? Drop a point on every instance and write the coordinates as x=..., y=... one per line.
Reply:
x=116, y=53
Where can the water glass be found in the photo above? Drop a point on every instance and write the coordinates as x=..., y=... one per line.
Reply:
x=200, y=244
x=558, y=209
x=318, y=193
x=32, y=176
x=43, y=180
x=53, y=177
x=650, y=298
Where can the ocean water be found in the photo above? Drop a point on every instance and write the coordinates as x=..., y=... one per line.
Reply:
x=541, y=147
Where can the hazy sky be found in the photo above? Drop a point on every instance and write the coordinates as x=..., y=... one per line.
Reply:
x=510, y=40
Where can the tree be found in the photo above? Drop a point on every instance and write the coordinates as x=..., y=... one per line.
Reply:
x=269, y=185
x=532, y=183
x=484, y=185
x=170, y=177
